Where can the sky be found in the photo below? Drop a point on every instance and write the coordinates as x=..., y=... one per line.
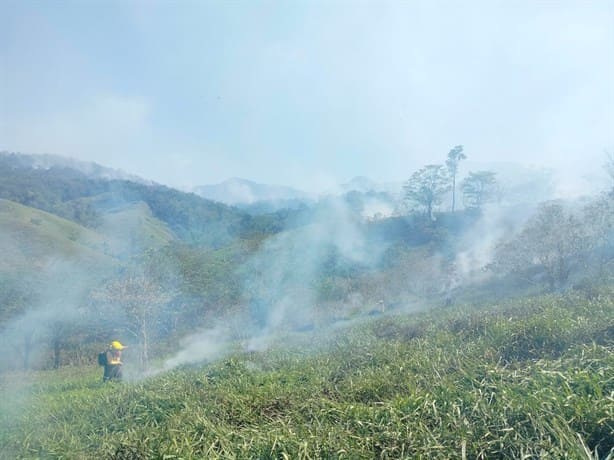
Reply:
x=307, y=93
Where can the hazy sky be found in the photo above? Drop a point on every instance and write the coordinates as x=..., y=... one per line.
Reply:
x=306, y=93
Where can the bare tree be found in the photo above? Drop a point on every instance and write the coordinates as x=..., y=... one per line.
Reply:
x=141, y=301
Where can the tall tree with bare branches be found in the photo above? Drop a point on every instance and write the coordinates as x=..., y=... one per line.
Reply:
x=141, y=301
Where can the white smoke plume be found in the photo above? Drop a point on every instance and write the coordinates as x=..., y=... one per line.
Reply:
x=280, y=284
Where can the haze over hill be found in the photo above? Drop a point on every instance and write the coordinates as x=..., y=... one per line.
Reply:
x=243, y=191
x=431, y=276
x=323, y=307
x=352, y=249
x=88, y=168
x=517, y=184
x=527, y=81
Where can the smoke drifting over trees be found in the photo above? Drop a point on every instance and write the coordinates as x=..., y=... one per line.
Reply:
x=249, y=278
x=413, y=258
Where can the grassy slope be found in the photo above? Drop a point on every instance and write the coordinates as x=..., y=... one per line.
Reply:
x=31, y=236
x=132, y=228
x=531, y=378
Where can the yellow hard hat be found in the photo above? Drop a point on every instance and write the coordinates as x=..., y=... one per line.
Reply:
x=117, y=345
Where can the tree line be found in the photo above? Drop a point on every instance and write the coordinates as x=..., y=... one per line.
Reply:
x=426, y=188
x=168, y=292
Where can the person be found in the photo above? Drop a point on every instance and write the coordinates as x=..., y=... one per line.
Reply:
x=113, y=364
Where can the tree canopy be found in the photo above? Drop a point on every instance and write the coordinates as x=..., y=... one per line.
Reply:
x=479, y=188
x=426, y=187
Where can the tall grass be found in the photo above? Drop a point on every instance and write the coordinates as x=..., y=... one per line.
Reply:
x=532, y=379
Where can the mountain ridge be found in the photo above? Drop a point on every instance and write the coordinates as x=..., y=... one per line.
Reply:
x=237, y=190
x=89, y=168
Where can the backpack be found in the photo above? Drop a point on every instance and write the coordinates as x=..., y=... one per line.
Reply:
x=102, y=358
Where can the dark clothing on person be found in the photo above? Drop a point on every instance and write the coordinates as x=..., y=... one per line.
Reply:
x=113, y=366
x=112, y=372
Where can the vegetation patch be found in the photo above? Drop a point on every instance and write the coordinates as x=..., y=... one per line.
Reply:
x=521, y=382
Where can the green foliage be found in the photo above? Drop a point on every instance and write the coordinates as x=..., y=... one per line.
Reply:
x=479, y=188
x=55, y=190
x=426, y=187
x=521, y=379
x=73, y=195
x=553, y=240
x=131, y=229
x=530, y=379
x=31, y=236
x=199, y=271
x=598, y=224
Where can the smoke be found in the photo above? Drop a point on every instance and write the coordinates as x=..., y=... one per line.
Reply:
x=238, y=192
x=50, y=271
x=479, y=242
x=56, y=307
x=281, y=284
x=283, y=280
x=207, y=345
x=53, y=317
x=283, y=276
x=375, y=208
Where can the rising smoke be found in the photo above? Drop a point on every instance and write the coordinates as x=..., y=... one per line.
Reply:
x=281, y=283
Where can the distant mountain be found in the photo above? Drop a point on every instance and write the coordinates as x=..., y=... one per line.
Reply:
x=238, y=191
x=360, y=184
x=365, y=185
x=370, y=199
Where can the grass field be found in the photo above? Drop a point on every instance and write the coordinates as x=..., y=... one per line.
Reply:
x=532, y=378
x=31, y=235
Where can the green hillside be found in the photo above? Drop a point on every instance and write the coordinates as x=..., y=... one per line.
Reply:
x=31, y=237
x=132, y=229
x=525, y=379
x=308, y=334
x=42, y=251
x=75, y=196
